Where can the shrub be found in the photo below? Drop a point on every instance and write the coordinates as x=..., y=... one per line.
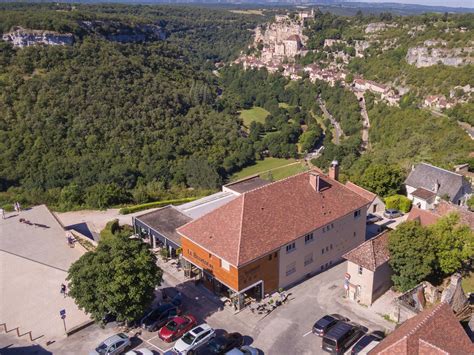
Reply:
x=398, y=202
x=145, y=206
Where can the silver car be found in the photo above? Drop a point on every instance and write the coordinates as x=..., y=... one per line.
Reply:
x=116, y=344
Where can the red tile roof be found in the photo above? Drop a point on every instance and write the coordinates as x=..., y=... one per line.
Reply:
x=370, y=196
x=370, y=254
x=425, y=217
x=262, y=220
x=433, y=331
x=424, y=194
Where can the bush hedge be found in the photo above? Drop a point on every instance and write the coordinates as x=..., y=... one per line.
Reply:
x=398, y=202
x=145, y=206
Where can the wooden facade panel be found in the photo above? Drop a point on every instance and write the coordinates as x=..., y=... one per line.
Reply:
x=265, y=268
x=210, y=263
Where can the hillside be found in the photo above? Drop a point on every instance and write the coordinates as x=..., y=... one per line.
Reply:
x=99, y=122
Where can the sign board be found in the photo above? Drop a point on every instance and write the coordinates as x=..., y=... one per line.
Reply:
x=62, y=313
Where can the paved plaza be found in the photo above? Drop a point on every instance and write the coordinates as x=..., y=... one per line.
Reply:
x=34, y=258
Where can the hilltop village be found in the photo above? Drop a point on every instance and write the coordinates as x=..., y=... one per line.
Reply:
x=279, y=46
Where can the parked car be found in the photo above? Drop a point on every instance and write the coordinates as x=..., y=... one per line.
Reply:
x=225, y=342
x=159, y=316
x=193, y=339
x=116, y=344
x=342, y=336
x=141, y=351
x=373, y=337
x=244, y=350
x=373, y=218
x=392, y=213
x=327, y=322
x=176, y=327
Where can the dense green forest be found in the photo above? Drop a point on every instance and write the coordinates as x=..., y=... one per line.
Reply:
x=102, y=123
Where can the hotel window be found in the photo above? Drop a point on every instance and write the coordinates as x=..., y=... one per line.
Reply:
x=291, y=269
x=308, y=259
x=308, y=238
x=290, y=247
x=322, y=251
x=225, y=265
x=360, y=270
x=357, y=214
x=330, y=246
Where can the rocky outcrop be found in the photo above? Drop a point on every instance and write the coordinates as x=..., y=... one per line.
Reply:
x=21, y=37
x=424, y=57
x=119, y=32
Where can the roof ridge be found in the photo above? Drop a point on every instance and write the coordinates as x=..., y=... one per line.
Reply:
x=275, y=182
x=374, y=265
x=426, y=318
x=437, y=167
x=432, y=345
x=240, y=230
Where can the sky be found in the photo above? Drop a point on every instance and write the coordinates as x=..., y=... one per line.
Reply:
x=450, y=3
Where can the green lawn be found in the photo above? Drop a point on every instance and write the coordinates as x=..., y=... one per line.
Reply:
x=277, y=166
x=284, y=172
x=257, y=114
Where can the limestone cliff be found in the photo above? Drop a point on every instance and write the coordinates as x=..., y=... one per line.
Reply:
x=21, y=37
x=425, y=56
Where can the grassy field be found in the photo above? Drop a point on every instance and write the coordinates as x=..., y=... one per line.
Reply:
x=257, y=114
x=280, y=168
x=284, y=172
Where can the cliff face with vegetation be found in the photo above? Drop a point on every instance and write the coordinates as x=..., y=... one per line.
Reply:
x=21, y=37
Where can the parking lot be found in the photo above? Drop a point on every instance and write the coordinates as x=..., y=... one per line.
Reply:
x=286, y=330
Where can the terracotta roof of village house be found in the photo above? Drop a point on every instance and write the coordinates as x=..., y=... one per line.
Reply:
x=425, y=217
x=424, y=194
x=262, y=220
x=361, y=191
x=370, y=254
x=433, y=331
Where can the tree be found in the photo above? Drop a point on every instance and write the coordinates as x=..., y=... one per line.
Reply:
x=470, y=203
x=453, y=243
x=199, y=173
x=412, y=254
x=398, y=202
x=383, y=180
x=119, y=277
x=308, y=140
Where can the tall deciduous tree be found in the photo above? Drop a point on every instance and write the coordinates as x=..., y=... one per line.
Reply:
x=383, y=180
x=412, y=254
x=119, y=277
x=453, y=243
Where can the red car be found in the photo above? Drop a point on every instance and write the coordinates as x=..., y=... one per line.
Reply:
x=176, y=327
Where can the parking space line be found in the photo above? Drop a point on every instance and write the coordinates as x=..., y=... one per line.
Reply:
x=308, y=333
x=156, y=336
x=148, y=342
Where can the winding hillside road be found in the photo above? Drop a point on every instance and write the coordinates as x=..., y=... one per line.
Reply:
x=337, y=126
x=366, y=122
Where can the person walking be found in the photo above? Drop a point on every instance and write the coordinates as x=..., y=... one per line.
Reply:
x=2, y=212
x=63, y=290
x=15, y=207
